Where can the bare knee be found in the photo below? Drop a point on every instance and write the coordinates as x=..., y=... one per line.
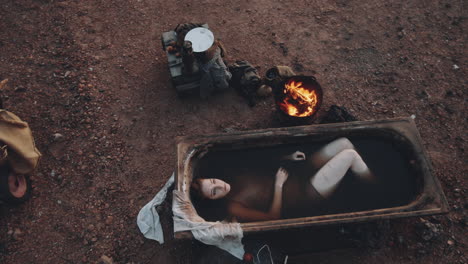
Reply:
x=344, y=143
x=351, y=153
x=331, y=150
x=357, y=165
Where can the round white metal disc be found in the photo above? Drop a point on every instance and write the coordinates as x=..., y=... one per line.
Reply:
x=201, y=39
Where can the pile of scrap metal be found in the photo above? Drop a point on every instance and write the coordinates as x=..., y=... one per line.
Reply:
x=197, y=67
x=247, y=82
x=195, y=60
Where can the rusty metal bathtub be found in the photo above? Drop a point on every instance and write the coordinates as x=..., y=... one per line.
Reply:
x=427, y=197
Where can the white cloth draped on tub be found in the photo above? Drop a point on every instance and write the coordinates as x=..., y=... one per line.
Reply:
x=148, y=218
x=227, y=236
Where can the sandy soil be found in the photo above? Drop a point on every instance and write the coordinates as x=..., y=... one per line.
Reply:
x=94, y=72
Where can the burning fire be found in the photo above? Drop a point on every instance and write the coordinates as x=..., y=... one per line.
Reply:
x=298, y=100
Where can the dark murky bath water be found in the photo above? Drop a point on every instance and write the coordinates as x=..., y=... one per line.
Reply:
x=255, y=169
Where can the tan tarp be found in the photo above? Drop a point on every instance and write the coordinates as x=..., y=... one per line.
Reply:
x=23, y=155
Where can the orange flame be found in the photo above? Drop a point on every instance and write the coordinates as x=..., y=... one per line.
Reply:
x=298, y=101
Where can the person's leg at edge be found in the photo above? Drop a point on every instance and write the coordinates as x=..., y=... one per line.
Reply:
x=329, y=176
x=330, y=150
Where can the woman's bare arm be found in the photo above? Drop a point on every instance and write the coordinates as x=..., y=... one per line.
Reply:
x=275, y=209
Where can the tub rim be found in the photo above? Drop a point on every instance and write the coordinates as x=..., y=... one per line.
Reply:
x=431, y=200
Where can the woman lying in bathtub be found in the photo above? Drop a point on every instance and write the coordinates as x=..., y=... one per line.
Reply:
x=251, y=198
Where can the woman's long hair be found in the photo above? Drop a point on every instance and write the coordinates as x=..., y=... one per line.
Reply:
x=208, y=209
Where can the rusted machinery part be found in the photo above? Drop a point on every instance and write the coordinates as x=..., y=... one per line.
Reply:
x=183, y=29
x=14, y=188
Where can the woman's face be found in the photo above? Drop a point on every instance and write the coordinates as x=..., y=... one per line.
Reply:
x=213, y=188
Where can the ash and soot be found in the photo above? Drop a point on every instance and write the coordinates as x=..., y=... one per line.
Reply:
x=301, y=96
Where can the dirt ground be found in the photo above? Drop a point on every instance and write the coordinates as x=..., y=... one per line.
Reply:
x=91, y=79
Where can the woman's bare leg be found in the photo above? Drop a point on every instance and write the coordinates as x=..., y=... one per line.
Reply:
x=327, y=178
x=329, y=151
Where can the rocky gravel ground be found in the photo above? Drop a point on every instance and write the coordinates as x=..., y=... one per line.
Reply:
x=91, y=79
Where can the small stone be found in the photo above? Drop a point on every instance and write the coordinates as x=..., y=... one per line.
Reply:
x=450, y=242
x=264, y=91
x=230, y=129
x=109, y=219
x=20, y=89
x=450, y=93
x=400, y=34
x=58, y=136
x=413, y=116
x=17, y=233
x=106, y=260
